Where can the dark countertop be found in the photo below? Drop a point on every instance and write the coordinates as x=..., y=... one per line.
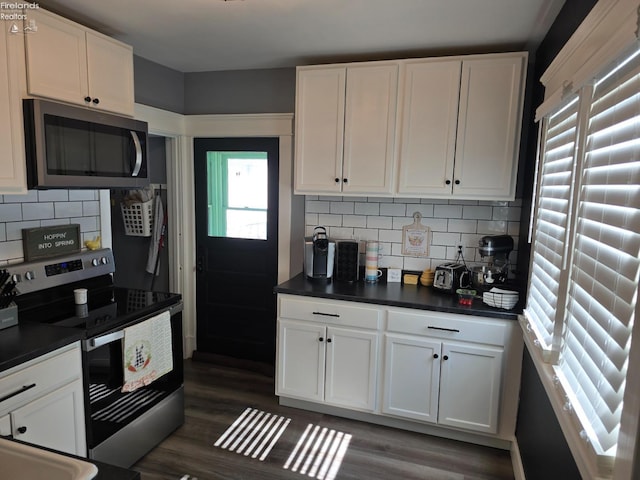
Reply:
x=396, y=295
x=26, y=341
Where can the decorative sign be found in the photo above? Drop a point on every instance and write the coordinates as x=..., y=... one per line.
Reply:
x=416, y=238
x=45, y=242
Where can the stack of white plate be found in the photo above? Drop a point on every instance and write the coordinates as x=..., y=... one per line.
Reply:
x=500, y=298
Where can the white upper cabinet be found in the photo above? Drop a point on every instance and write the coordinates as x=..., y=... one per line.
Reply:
x=489, y=123
x=460, y=129
x=458, y=132
x=345, y=128
x=13, y=177
x=428, y=130
x=70, y=63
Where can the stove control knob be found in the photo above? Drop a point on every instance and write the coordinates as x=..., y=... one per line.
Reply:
x=16, y=277
x=29, y=275
x=95, y=262
x=103, y=260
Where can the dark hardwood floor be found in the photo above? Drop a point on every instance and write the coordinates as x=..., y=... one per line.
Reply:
x=216, y=395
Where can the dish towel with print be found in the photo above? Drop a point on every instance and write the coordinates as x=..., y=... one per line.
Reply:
x=147, y=351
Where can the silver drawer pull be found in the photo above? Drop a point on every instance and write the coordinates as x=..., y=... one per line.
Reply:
x=17, y=392
x=444, y=329
x=327, y=314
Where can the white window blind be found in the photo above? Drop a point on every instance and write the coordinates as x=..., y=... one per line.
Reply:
x=603, y=282
x=552, y=210
x=585, y=259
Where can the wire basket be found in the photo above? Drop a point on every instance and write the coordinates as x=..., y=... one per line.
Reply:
x=138, y=218
x=505, y=299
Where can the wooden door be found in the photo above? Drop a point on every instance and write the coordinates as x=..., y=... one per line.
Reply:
x=54, y=421
x=301, y=360
x=369, y=129
x=352, y=366
x=236, y=189
x=428, y=129
x=491, y=98
x=470, y=387
x=411, y=377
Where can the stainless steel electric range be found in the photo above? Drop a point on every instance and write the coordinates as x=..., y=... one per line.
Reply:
x=121, y=426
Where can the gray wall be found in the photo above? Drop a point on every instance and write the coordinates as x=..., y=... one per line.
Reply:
x=240, y=91
x=158, y=86
x=228, y=92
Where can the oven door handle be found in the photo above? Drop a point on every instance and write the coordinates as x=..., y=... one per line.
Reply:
x=98, y=342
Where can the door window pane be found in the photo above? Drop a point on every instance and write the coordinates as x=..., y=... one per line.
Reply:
x=237, y=194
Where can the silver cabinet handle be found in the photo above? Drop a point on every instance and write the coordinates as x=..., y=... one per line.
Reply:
x=136, y=143
x=17, y=392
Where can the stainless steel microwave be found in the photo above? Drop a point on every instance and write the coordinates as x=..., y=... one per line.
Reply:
x=74, y=147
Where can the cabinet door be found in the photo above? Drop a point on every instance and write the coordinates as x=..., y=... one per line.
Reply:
x=13, y=178
x=56, y=59
x=428, y=130
x=54, y=421
x=5, y=426
x=370, y=113
x=411, y=377
x=319, y=132
x=110, y=67
x=352, y=364
x=301, y=357
x=489, y=124
x=470, y=387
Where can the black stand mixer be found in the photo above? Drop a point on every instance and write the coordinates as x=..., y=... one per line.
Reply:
x=495, y=250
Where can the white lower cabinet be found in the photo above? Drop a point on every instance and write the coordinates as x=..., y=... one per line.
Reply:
x=447, y=370
x=333, y=365
x=42, y=402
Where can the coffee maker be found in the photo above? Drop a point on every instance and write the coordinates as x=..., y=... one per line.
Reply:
x=495, y=250
x=319, y=253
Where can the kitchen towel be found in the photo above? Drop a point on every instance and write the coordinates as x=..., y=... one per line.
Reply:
x=147, y=351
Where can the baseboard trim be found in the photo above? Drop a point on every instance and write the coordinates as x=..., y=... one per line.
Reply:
x=516, y=461
x=239, y=363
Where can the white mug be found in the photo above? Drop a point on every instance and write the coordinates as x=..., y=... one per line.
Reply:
x=372, y=275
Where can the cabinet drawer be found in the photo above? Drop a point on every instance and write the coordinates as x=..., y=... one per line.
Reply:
x=447, y=326
x=333, y=312
x=38, y=378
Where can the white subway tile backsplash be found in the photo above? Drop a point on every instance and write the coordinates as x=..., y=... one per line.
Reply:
x=53, y=195
x=379, y=222
x=362, y=208
x=14, y=229
x=476, y=212
x=10, y=212
x=393, y=209
x=43, y=208
x=354, y=221
x=68, y=209
x=37, y=211
x=80, y=195
x=447, y=211
x=341, y=207
x=452, y=223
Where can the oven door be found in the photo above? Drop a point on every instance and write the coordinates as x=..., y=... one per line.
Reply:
x=109, y=410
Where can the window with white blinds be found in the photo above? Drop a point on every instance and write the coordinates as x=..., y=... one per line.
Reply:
x=552, y=210
x=586, y=249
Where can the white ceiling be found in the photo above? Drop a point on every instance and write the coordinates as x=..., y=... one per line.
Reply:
x=209, y=35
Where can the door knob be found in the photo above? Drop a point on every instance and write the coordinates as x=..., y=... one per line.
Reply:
x=200, y=264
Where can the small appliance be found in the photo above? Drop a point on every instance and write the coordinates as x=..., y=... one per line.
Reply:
x=319, y=253
x=449, y=277
x=495, y=250
x=73, y=147
x=347, y=262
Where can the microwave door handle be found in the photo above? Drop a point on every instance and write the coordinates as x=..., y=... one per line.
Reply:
x=136, y=143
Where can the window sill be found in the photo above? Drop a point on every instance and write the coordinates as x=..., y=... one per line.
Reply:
x=590, y=464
